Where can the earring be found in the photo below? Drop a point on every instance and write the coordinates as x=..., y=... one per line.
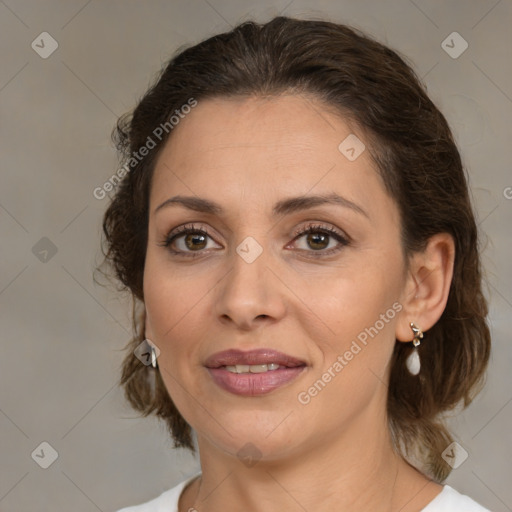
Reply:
x=153, y=353
x=154, y=364
x=413, y=362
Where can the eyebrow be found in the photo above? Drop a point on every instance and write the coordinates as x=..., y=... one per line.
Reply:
x=282, y=207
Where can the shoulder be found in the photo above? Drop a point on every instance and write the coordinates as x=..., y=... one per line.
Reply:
x=449, y=500
x=166, y=502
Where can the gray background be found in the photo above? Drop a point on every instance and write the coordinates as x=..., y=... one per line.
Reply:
x=62, y=335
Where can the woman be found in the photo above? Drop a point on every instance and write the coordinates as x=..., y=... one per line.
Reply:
x=296, y=231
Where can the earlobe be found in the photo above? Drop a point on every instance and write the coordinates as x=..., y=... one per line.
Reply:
x=427, y=287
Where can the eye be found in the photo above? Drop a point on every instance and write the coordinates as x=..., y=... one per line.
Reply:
x=318, y=238
x=190, y=241
x=187, y=239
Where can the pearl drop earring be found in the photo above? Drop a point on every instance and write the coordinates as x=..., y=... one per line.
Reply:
x=413, y=362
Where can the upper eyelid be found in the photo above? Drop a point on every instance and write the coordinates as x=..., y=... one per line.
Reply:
x=318, y=224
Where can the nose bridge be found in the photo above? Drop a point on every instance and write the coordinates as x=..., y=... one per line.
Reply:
x=248, y=290
x=248, y=276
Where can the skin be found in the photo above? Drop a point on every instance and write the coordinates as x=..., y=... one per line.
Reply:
x=334, y=453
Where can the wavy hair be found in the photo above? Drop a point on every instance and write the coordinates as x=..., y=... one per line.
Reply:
x=413, y=148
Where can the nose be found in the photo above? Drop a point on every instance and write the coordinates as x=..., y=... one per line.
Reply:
x=250, y=294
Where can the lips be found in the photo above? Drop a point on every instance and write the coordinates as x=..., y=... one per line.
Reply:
x=262, y=371
x=262, y=356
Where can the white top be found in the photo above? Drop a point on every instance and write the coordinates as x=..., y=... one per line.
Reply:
x=448, y=500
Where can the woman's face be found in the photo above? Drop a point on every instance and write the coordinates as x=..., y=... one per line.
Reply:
x=329, y=300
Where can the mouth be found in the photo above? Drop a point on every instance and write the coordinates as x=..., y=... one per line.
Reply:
x=256, y=359
x=253, y=373
x=254, y=368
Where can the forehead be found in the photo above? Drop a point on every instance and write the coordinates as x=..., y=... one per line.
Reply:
x=283, y=145
x=275, y=125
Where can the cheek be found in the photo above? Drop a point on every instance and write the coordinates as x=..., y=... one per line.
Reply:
x=355, y=299
x=360, y=310
x=172, y=305
x=172, y=299
x=353, y=363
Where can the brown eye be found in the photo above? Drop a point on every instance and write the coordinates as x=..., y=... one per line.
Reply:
x=188, y=240
x=318, y=238
x=317, y=241
x=194, y=241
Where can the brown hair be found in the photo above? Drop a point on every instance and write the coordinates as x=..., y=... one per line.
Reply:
x=413, y=148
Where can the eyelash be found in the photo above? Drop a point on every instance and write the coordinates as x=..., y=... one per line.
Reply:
x=186, y=229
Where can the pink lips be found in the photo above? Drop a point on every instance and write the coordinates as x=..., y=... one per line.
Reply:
x=253, y=384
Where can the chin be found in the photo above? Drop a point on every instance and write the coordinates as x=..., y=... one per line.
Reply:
x=261, y=436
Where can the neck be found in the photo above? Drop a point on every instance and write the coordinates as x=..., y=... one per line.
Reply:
x=356, y=471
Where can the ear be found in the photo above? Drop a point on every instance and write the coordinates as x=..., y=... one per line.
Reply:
x=427, y=286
